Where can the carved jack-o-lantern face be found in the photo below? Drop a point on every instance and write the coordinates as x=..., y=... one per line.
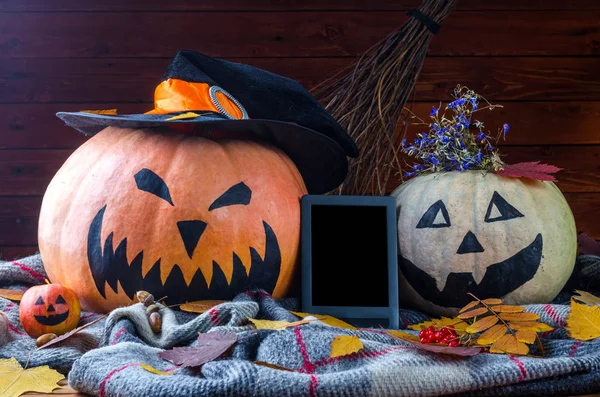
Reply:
x=488, y=235
x=49, y=309
x=183, y=217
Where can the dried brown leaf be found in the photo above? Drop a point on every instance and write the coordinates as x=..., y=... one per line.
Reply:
x=473, y=313
x=508, y=309
x=444, y=349
x=492, y=335
x=523, y=316
x=588, y=245
x=210, y=346
x=108, y=112
x=11, y=294
x=70, y=333
x=273, y=366
x=510, y=345
x=200, y=306
x=526, y=336
x=482, y=325
x=584, y=297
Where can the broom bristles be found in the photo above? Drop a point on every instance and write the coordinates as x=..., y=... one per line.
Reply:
x=368, y=97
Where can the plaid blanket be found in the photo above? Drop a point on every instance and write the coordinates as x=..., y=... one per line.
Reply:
x=384, y=367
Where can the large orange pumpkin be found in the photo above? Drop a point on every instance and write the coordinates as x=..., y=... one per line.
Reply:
x=179, y=216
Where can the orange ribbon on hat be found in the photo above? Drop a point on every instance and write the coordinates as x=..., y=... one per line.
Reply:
x=174, y=95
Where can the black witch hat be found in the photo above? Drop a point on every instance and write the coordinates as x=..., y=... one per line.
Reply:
x=201, y=92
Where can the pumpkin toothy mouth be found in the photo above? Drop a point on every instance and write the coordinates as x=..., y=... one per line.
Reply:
x=52, y=319
x=499, y=280
x=110, y=266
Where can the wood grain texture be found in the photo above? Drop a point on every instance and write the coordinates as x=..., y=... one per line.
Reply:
x=121, y=80
x=289, y=34
x=283, y=5
x=10, y=253
x=28, y=172
x=18, y=220
x=26, y=126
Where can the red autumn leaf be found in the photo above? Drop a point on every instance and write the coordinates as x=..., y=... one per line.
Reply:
x=531, y=170
x=210, y=347
x=587, y=245
x=456, y=351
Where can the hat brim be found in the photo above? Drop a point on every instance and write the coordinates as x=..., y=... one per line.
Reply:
x=321, y=161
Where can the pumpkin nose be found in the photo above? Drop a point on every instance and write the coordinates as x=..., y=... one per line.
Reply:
x=51, y=308
x=191, y=231
x=470, y=244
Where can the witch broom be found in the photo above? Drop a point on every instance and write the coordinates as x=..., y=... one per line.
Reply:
x=368, y=97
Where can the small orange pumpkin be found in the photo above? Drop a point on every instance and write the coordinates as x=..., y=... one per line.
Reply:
x=184, y=217
x=49, y=308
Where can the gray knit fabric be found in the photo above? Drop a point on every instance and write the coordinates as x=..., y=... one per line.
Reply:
x=384, y=367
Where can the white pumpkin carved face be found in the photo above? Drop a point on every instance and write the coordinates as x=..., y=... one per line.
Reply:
x=493, y=236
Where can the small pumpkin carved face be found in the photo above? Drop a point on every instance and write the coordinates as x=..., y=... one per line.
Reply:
x=188, y=218
x=49, y=308
x=492, y=236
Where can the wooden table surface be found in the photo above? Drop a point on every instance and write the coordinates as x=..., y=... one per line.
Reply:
x=66, y=391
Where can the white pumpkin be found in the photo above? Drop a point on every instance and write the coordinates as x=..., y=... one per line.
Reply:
x=479, y=232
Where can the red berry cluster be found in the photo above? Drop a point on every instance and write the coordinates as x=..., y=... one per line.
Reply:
x=446, y=335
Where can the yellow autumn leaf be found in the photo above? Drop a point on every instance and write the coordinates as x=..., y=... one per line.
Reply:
x=583, y=322
x=586, y=297
x=508, y=309
x=276, y=325
x=154, y=370
x=529, y=326
x=403, y=335
x=523, y=316
x=473, y=313
x=200, y=306
x=183, y=116
x=492, y=335
x=482, y=325
x=14, y=380
x=107, y=112
x=510, y=345
x=324, y=318
x=459, y=325
x=492, y=301
x=526, y=336
x=344, y=345
x=469, y=306
x=11, y=294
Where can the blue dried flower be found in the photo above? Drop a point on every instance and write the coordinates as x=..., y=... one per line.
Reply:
x=505, y=129
x=433, y=112
x=481, y=136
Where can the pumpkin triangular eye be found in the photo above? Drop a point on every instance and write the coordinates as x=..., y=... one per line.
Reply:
x=60, y=299
x=435, y=217
x=239, y=194
x=500, y=210
x=39, y=301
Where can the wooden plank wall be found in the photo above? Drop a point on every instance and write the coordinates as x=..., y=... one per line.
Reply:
x=538, y=58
